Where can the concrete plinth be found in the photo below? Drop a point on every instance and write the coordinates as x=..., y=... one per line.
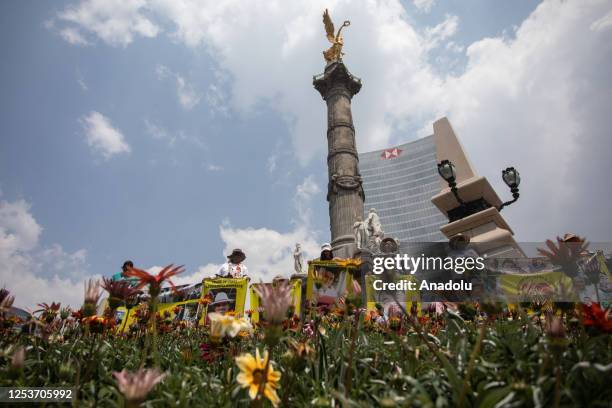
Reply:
x=487, y=229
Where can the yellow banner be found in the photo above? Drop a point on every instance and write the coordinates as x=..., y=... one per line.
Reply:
x=296, y=291
x=225, y=294
x=329, y=280
x=536, y=287
x=409, y=299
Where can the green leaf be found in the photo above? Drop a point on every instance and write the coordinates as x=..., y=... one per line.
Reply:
x=491, y=397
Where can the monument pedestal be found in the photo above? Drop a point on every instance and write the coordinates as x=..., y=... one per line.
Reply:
x=485, y=226
x=489, y=233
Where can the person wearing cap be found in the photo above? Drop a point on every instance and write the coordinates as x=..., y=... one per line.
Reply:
x=234, y=268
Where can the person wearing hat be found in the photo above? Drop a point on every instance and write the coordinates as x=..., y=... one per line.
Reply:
x=234, y=268
x=326, y=252
x=221, y=304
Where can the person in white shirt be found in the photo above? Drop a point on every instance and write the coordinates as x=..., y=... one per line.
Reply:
x=234, y=268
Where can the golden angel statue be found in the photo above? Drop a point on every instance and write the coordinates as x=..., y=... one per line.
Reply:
x=333, y=53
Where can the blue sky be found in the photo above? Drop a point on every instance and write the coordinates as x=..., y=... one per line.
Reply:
x=149, y=131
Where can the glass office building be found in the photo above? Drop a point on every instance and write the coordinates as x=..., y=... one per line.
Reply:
x=399, y=182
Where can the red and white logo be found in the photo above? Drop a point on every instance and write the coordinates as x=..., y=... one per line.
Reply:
x=391, y=153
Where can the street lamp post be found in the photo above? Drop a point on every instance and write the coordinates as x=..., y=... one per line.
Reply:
x=446, y=169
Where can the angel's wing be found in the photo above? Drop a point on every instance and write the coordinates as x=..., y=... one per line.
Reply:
x=329, y=27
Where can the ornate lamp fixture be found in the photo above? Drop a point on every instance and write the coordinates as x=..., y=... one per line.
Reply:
x=512, y=178
x=446, y=170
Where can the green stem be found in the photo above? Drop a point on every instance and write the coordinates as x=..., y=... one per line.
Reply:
x=471, y=364
x=557, y=386
x=287, y=386
x=153, y=316
x=349, y=373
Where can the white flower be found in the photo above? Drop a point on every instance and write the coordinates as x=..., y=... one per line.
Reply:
x=227, y=326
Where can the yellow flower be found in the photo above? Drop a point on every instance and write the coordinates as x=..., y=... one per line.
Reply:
x=227, y=326
x=302, y=349
x=253, y=376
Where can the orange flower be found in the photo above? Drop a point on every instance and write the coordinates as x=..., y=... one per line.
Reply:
x=594, y=316
x=118, y=291
x=205, y=300
x=155, y=281
x=97, y=324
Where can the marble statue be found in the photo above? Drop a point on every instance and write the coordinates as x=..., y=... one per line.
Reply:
x=360, y=229
x=374, y=226
x=298, y=259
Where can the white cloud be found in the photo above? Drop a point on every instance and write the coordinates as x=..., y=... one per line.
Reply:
x=437, y=34
x=454, y=47
x=214, y=167
x=188, y=97
x=19, y=231
x=272, y=162
x=116, y=22
x=269, y=51
x=162, y=72
x=157, y=132
x=603, y=23
x=424, y=5
x=307, y=189
x=73, y=36
x=32, y=273
x=304, y=193
x=535, y=98
x=81, y=81
x=269, y=252
x=215, y=98
x=82, y=84
x=191, y=277
x=160, y=133
x=102, y=137
x=536, y=102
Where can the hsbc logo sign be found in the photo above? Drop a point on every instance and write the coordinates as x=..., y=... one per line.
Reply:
x=391, y=153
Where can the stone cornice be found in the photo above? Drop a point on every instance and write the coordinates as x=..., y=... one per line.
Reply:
x=336, y=75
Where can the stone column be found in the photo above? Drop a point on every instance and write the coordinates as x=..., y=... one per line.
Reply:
x=345, y=193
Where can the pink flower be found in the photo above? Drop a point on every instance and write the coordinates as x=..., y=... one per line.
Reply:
x=308, y=330
x=275, y=299
x=136, y=386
